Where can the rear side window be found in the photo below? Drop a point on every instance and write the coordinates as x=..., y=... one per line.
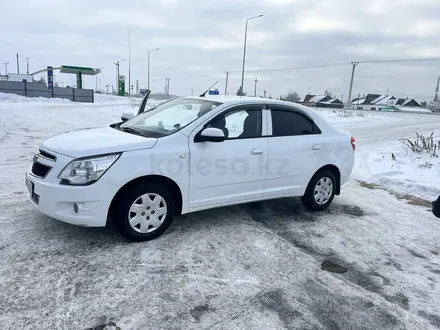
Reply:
x=291, y=123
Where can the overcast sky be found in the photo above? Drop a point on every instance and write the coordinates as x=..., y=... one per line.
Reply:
x=200, y=40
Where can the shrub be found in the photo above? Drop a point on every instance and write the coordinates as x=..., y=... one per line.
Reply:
x=422, y=145
x=345, y=113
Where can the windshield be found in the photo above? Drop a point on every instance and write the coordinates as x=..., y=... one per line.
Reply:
x=170, y=117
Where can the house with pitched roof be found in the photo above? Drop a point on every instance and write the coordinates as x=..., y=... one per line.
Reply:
x=382, y=102
x=321, y=101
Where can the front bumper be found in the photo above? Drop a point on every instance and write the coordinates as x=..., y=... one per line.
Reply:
x=58, y=201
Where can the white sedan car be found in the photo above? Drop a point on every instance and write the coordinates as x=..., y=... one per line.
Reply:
x=185, y=155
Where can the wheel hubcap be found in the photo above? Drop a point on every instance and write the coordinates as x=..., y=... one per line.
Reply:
x=147, y=213
x=323, y=191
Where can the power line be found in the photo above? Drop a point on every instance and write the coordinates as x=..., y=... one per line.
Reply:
x=294, y=68
x=403, y=60
x=341, y=64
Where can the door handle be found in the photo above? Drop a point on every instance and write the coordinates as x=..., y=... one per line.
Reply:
x=317, y=147
x=257, y=151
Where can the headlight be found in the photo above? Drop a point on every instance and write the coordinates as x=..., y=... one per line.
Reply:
x=85, y=171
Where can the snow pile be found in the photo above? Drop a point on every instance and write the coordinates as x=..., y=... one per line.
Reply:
x=413, y=109
x=100, y=100
x=109, y=98
x=14, y=98
x=409, y=166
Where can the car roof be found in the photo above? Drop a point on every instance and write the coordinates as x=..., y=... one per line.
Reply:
x=234, y=99
x=230, y=100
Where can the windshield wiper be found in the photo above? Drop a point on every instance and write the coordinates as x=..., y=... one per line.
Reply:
x=130, y=130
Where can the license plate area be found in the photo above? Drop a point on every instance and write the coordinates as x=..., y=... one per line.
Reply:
x=31, y=187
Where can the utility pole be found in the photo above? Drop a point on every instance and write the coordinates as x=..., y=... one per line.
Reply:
x=226, y=84
x=18, y=65
x=27, y=65
x=351, y=81
x=359, y=96
x=129, y=63
x=6, y=67
x=99, y=84
x=255, y=88
x=137, y=87
x=117, y=74
x=436, y=91
x=192, y=91
x=107, y=87
x=168, y=86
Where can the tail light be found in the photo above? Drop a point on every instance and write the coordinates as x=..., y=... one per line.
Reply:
x=353, y=143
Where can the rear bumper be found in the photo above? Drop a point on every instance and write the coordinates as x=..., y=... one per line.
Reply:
x=58, y=201
x=347, y=169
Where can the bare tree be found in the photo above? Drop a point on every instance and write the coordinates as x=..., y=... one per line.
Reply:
x=291, y=97
x=240, y=92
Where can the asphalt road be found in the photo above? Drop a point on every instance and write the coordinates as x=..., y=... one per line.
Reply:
x=254, y=266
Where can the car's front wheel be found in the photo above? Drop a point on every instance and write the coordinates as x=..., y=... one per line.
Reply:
x=320, y=191
x=144, y=212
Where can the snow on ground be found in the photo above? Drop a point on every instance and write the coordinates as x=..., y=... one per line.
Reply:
x=413, y=109
x=394, y=165
x=407, y=173
x=253, y=266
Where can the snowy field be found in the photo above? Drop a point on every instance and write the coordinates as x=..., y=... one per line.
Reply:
x=254, y=266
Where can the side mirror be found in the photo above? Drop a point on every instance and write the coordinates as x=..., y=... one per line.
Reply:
x=210, y=134
x=126, y=116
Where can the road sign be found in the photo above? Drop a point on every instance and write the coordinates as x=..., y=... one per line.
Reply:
x=50, y=77
x=214, y=92
x=142, y=91
x=121, y=87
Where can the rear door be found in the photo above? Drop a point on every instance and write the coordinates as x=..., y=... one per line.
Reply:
x=295, y=149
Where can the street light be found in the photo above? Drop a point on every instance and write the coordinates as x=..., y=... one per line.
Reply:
x=244, y=50
x=151, y=50
x=117, y=73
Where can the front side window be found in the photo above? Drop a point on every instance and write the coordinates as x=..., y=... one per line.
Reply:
x=240, y=123
x=169, y=117
x=291, y=123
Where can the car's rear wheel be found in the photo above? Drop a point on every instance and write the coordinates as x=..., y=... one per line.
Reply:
x=144, y=212
x=320, y=191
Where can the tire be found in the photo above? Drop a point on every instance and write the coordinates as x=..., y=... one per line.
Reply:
x=144, y=205
x=323, y=178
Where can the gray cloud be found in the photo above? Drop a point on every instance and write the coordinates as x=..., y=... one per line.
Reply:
x=200, y=40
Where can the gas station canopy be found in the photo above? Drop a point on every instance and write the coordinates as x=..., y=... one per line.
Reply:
x=79, y=70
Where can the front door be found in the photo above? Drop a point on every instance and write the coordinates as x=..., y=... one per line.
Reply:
x=232, y=171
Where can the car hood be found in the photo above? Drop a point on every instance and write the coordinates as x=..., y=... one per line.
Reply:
x=94, y=141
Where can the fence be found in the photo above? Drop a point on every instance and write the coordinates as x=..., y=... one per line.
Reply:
x=36, y=89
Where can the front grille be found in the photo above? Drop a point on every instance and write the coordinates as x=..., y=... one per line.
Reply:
x=40, y=170
x=47, y=155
